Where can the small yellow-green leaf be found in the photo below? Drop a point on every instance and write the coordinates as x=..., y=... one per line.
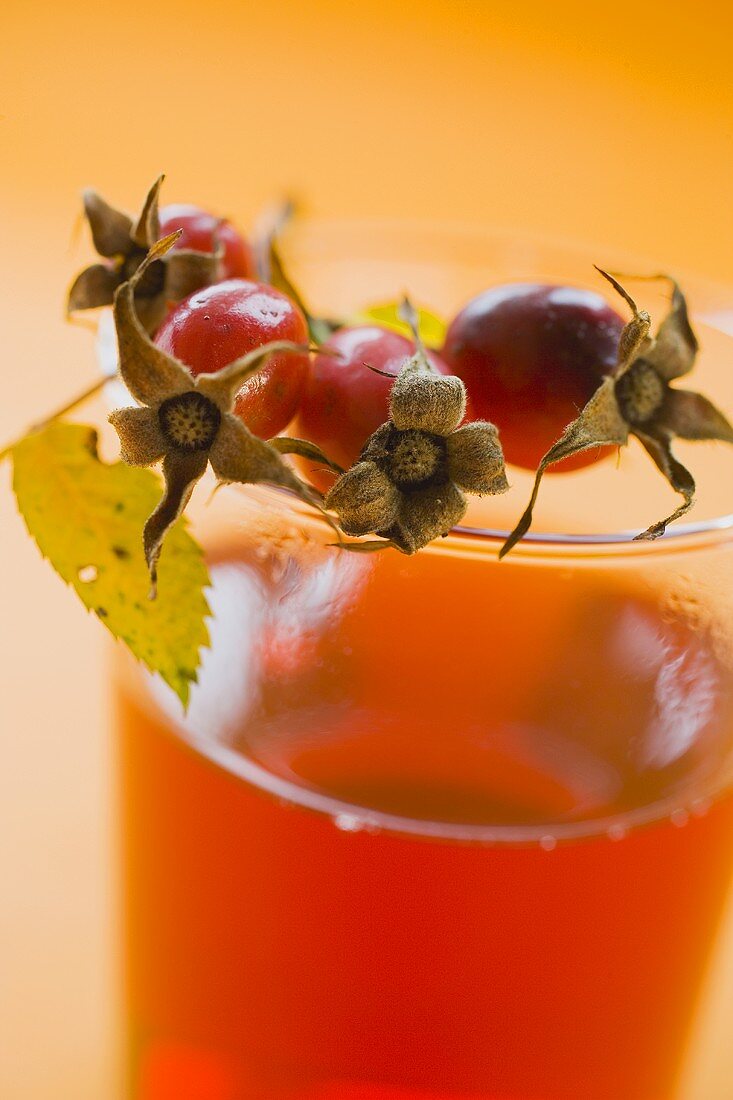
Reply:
x=87, y=518
x=432, y=327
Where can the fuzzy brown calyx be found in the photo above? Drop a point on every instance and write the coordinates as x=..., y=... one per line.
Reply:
x=639, y=400
x=408, y=485
x=123, y=244
x=187, y=422
x=413, y=458
x=640, y=392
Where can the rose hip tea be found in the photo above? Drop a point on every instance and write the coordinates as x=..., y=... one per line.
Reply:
x=433, y=828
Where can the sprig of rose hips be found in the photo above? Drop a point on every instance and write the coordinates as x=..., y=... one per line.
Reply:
x=391, y=432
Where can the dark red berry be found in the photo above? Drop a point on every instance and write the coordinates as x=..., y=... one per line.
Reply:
x=220, y=323
x=531, y=357
x=199, y=229
x=345, y=401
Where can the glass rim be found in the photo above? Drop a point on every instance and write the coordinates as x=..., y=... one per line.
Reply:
x=628, y=540
x=683, y=536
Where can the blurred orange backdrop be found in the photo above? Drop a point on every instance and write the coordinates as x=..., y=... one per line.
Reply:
x=606, y=123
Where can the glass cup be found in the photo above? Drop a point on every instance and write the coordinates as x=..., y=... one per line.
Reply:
x=439, y=827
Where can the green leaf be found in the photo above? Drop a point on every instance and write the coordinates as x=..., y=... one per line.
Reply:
x=87, y=518
x=432, y=327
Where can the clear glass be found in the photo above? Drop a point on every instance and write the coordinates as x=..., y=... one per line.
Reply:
x=438, y=827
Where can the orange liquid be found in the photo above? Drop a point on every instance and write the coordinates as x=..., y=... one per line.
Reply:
x=284, y=947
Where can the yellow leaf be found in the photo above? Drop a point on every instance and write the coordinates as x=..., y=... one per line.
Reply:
x=87, y=518
x=432, y=327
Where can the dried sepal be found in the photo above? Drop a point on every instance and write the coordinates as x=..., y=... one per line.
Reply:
x=124, y=244
x=141, y=441
x=420, y=398
x=425, y=515
x=93, y=286
x=675, y=346
x=637, y=399
x=366, y=546
x=475, y=459
x=427, y=402
x=180, y=474
x=188, y=270
x=690, y=415
x=149, y=373
x=287, y=445
x=599, y=424
x=111, y=229
x=236, y=455
x=659, y=448
x=188, y=421
x=147, y=227
x=365, y=499
x=222, y=386
x=634, y=337
x=407, y=485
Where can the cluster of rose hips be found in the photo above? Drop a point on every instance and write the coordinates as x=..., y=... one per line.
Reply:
x=531, y=356
x=553, y=368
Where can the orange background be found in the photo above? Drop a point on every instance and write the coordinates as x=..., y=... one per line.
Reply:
x=607, y=123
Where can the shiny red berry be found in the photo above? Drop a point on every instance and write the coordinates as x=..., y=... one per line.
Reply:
x=199, y=230
x=531, y=357
x=220, y=323
x=345, y=401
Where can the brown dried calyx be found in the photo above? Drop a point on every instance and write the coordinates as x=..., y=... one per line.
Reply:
x=124, y=245
x=187, y=422
x=637, y=399
x=407, y=486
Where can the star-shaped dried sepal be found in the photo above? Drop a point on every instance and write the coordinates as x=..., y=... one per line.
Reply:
x=187, y=422
x=409, y=482
x=637, y=399
x=123, y=244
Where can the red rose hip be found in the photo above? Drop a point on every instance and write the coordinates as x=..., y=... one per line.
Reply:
x=531, y=357
x=199, y=230
x=345, y=401
x=220, y=323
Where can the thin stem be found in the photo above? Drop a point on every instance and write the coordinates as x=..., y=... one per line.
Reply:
x=376, y=370
x=90, y=391
x=270, y=225
x=407, y=313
